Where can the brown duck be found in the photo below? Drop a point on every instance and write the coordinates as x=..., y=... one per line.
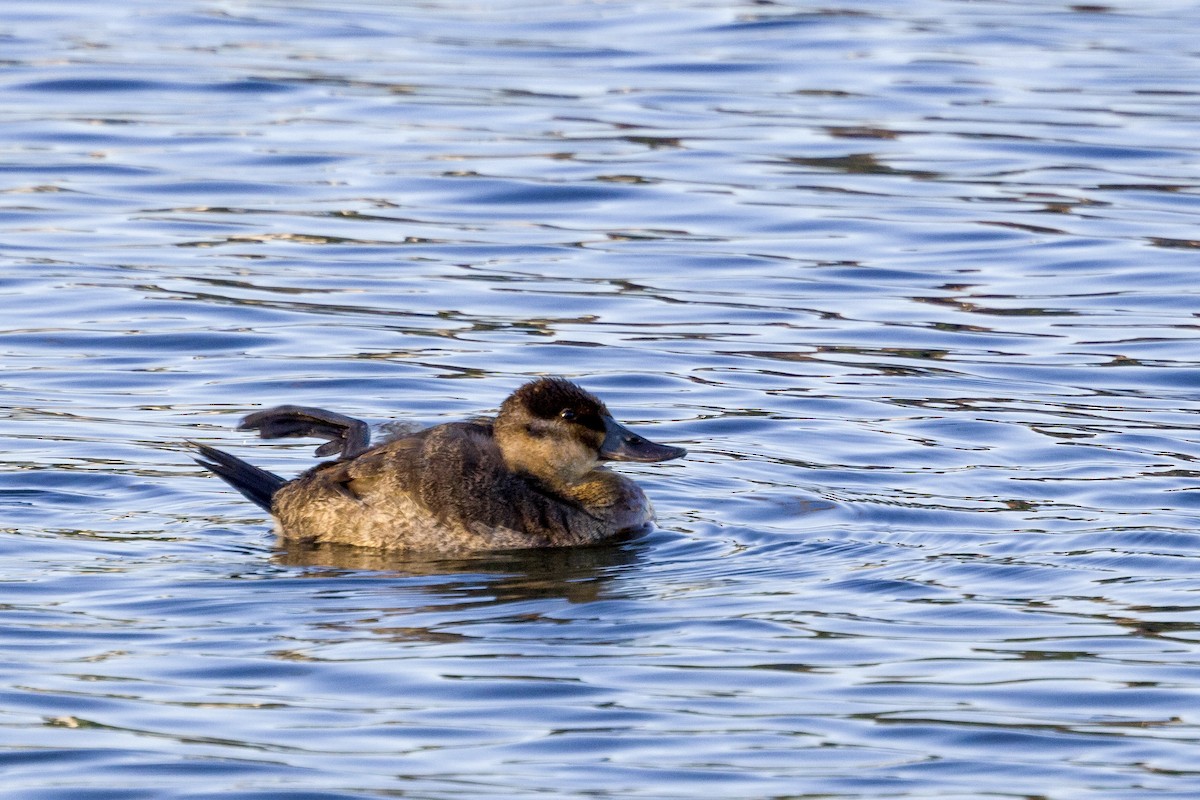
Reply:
x=530, y=477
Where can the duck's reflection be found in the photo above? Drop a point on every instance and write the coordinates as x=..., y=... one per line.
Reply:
x=575, y=574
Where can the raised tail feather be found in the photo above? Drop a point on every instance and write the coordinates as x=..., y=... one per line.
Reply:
x=257, y=485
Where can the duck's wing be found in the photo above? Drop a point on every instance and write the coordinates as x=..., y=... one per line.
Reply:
x=393, y=467
x=436, y=467
x=346, y=436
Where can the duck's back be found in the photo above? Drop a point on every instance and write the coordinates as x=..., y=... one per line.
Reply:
x=447, y=489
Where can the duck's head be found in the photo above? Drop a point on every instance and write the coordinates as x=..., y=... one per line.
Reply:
x=554, y=430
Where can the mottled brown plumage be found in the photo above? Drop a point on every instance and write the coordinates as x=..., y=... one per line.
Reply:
x=531, y=477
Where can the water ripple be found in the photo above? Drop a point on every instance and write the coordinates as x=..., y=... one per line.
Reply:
x=915, y=288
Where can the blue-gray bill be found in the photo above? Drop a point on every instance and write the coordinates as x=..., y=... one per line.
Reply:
x=622, y=444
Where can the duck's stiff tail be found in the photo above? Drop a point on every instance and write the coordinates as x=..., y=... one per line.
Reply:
x=256, y=485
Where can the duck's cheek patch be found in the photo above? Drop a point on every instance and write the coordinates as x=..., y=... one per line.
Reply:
x=538, y=430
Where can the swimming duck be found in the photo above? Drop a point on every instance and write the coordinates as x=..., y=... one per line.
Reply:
x=530, y=477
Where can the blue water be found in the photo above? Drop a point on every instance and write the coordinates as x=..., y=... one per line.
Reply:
x=914, y=283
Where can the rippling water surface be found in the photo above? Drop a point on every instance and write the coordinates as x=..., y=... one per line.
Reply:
x=915, y=283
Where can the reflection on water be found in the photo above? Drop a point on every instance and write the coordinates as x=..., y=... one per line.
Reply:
x=915, y=286
x=577, y=575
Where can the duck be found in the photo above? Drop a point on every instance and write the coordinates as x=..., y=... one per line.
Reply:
x=532, y=476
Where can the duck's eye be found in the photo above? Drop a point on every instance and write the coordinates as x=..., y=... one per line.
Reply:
x=568, y=414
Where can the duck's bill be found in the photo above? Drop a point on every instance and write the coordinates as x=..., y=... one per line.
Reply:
x=622, y=444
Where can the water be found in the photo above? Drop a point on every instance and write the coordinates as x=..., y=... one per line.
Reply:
x=914, y=283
